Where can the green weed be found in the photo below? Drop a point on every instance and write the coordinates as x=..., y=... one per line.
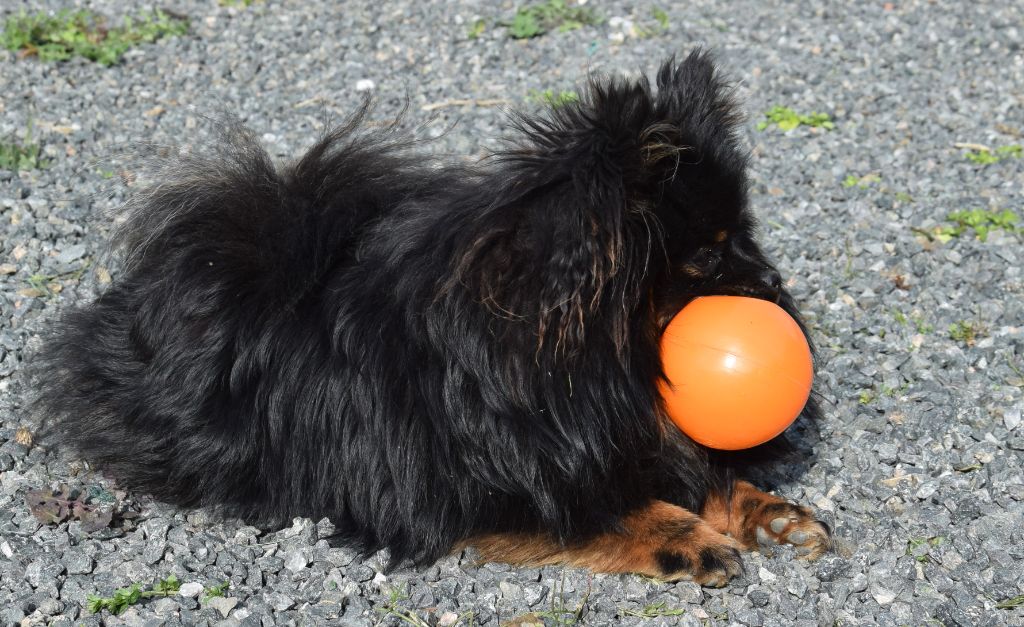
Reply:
x=848, y=269
x=85, y=33
x=237, y=3
x=919, y=323
x=862, y=182
x=476, y=29
x=891, y=392
x=1009, y=604
x=984, y=156
x=661, y=17
x=981, y=221
x=21, y=155
x=913, y=544
x=406, y=616
x=216, y=591
x=787, y=119
x=1013, y=151
x=409, y=617
x=866, y=396
x=966, y=332
x=47, y=285
x=968, y=468
x=123, y=597
x=981, y=157
x=660, y=25
x=558, y=612
x=550, y=98
x=941, y=233
x=1019, y=381
x=653, y=610
x=536, y=20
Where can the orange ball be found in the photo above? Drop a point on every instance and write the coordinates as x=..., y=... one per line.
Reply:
x=739, y=369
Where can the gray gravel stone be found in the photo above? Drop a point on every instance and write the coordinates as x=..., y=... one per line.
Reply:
x=77, y=563
x=153, y=552
x=224, y=605
x=43, y=571
x=534, y=593
x=50, y=607
x=296, y=560
x=280, y=602
x=12, y=616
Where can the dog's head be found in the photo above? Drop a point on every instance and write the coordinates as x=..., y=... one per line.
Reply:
x=614, y=212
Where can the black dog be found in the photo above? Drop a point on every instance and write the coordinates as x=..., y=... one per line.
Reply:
x=437, y=356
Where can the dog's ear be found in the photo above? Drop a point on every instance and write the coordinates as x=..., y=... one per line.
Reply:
x=553, y=258
x=681, y=138
x=703, y=166
x=572, y=234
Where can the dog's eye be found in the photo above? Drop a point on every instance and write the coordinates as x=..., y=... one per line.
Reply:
x=703, y=262
x=721, y=236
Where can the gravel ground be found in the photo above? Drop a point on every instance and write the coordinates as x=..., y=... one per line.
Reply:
x=919, y=461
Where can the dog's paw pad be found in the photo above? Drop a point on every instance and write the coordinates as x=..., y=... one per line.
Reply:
x=779, y=524
x=797, y=528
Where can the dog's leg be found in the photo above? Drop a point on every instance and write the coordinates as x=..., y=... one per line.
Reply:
x=758, y=519
x=661, y=540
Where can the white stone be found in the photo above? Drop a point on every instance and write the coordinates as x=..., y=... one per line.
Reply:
x=296, y=560
x=1011, y=418
x=191, y=589
x=882, y=596
x=447, y=619
x=365, y=84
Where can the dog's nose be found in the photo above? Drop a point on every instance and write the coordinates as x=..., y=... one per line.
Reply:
x=772, y=280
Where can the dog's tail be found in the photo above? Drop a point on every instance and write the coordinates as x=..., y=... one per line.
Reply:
x=152, y=380
x=275, y=231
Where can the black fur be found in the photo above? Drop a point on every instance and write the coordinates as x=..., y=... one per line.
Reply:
x=421, y=353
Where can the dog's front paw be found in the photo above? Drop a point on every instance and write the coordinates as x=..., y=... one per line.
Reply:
x=760, y=520
x=660, y=540
x=786, y=523
x=703, y=555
